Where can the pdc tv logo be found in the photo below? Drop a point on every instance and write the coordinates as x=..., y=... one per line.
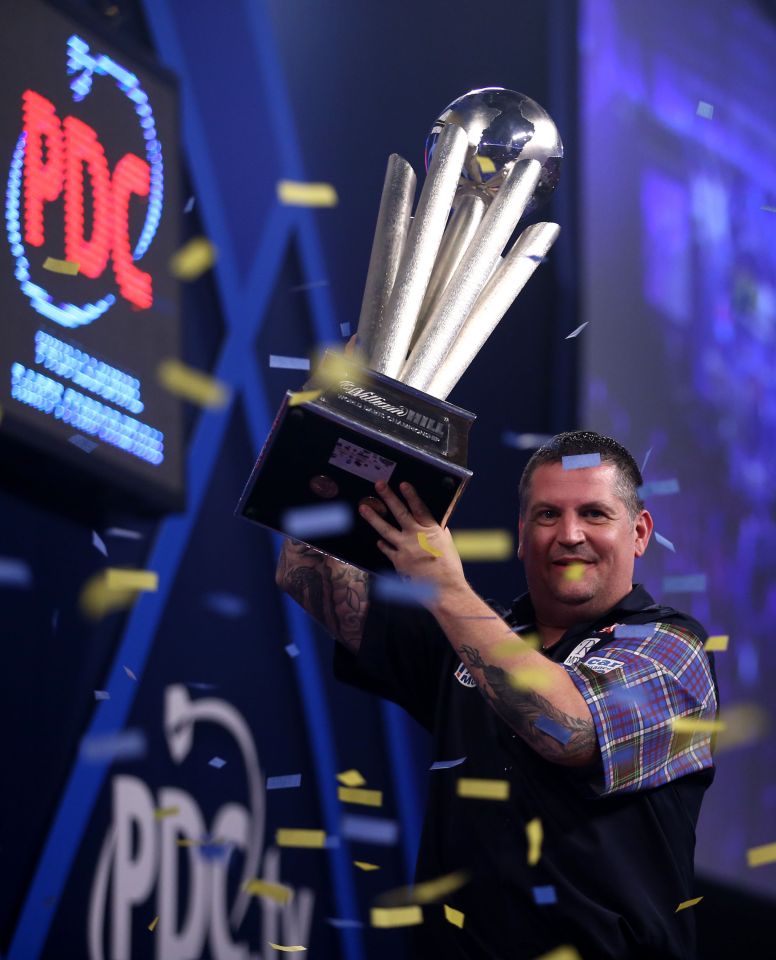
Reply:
x=60, y=158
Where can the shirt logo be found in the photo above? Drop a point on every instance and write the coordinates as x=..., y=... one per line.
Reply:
x=580, y=650
x=603, y=664
x=463, y=676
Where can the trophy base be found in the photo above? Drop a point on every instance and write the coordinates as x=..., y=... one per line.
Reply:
x=326, y=454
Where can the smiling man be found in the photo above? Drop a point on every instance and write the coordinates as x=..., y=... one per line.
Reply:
x=568, y=701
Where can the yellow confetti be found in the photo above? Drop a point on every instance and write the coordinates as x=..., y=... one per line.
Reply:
x=335, y=368
x=688, y=903
x=395, y=916
x=193, y=259
x=484, y=545
x=427, y=892
x=760, y=856
x=68, y=267
x=363, y=865
x=744, y=723
x=161, y=812
x=696, y=725
x=300, y=838
x=516, y=645
x=574, y=572
x=717, y=643
x=118, y=578
x=485, y=164
x=454, y=916
x=367, y=798
x=193, y=385
x=303, y=396
x=272, y=891
x=277, y=946
x=113, y=589
x=535, y=835
x=425, y=545
x=351, y=778
x=561, y=953
x=483, y=789
x=530, y=678
x=185, y=842
x=295, y=193
x=152, y=924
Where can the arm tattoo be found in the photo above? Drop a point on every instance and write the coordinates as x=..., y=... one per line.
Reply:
x=521, y=709
x=334, y=593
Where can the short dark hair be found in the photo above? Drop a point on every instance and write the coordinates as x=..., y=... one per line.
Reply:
x=578, y=442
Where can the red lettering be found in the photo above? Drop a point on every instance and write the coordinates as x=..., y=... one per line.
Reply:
x=84, y=150
x=42, y=179
x=131, y=176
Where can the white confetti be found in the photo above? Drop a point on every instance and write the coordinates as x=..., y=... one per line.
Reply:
x=98, y=544
x=321, y=520
x=576, y=333
x=288, y=363
x=14, y=573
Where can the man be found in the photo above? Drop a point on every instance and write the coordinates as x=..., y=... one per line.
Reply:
x=570, y=697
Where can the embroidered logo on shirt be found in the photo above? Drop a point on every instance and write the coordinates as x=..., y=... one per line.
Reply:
x=580, y=650
x=602, y=664
x=463, y=676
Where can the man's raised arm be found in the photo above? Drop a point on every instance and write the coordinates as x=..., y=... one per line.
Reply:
x=334, y=593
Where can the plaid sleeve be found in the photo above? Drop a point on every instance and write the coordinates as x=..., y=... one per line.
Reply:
x=635, y=689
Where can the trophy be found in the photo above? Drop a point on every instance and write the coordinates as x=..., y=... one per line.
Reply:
x=438, y=284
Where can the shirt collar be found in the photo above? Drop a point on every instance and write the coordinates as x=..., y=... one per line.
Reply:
x=522, y=612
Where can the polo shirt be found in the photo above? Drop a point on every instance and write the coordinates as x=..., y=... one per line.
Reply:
x=616, y=855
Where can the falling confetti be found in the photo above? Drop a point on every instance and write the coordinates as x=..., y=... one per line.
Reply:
x=647, y=455
x=716, y=644
x=689, y=583
x=320, y=520
x=277, y=946
x=484, y=545
x=525, y=441
x=760, y=856
x=292, y=650
x=351, y=778
x=366, y=867
x=454, y=916
x=658, y=488
x=285, y=837
x=125, y=579
x=345, y=328
x=14, y=573
x=284, y=783
x=530, y=678
x=446, y=764
x=391, y=588
x=130, y=673
x=101, y=695
x=272, y=891
x=544, y=895
x=196, y=386
x=574, y=572
x=576, y=333
x=295, y=193
x=216, y=762
x=425, y=545
x=534, y=835
x=193, y=259
x=561, y=953
x=123, y=533
x=303, y=396
x=697, y=725
x=342, y=924
x=152, y=924
x=82, y=443
x=288, y=363
x=474, y=789
x=688, y=903
x=370, y=830
x=227, y=605
x=68, y=267
x=664, y=542
x=553, y=729
x=579, y=461
x=125, y=745
x=367, y=798
x=395, y=916
x=161, y=813
x=308, y=286
x=705, y=110
x=189, y=205
x=429, y=891
x=634, y=631
x=98, y=544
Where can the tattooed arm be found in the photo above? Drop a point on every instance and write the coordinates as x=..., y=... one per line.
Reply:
x=333, y=593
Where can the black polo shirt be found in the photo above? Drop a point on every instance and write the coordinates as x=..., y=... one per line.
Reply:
x=618, y=864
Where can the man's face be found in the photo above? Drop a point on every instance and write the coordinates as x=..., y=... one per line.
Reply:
x=573, y=517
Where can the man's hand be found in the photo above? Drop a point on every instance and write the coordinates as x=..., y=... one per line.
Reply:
x=420, y=548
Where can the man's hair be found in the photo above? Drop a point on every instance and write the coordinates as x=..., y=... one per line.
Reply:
x=578, y=442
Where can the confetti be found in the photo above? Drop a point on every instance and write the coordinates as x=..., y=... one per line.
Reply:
x=101, y=695
x=658, y=488
x=561, y=953
x=341, y=924
x=425, y=545
x=130, y=673
x=482, y=789
x=308, y=286
x=530, y=678
x=664, y=542
x=285, y=837
x=696, y=725
x=198, y=685
x=277, y=946
x=14, y=573
x=581, y=460
x=576, y=333
x=370, y=830
x=227, y=605
x=483, y=545
x=717, y=643
x=351, y=778
x=284, y=783
x=544, y=895
x=68, y=267
x=534, y=835
x=303, y=396
x=485, y=164
x=321, y=520
x=769, y=209
x=82, y=443
x=189, y=205
x=574, y=572
x=705, y=110
x=362, y=865
x=395, y=916
x=689, y=583
x=634, y=631
x=295, y=193
x=427, y=892
x=152, y=924
x=216, y=762
x=367, y=798
x=688, y=903
x=162, y=813
x=97, y=543
x=760, y=856
x=193, y=385
x=123, y=533
x=647, y=455
x=525, y=441
x=121, y=579
x=124, y=745
x=391, y=588
x=454, y=916
x=345, y=329
x=193, y=259
x=553, y=729
x=292, y=650
x=446, y=764
x=332, y=843
x=744, y=723
x=272, y=891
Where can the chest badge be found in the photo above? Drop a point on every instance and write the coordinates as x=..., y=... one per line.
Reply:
x=463, y=676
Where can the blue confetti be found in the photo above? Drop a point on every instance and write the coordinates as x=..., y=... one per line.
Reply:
x=544, y=895
x=635, y=631
x=130, y=673
x=576, y=333
x=525, y=441
x=342, y=924
x=123, y=533
x=581, y=460
x=101, y=695
x=321, y=520
x=345, y=329
x=391, y=588
x=198, y=685
x=659, y=488
x=14, y=573
x=288, y=363
x=705, y=110
x=446, y=764
x=125, y=745
x=664, y=542
x=226, y=605
x=690, y=583
x=332, y=843
x=292, y=650
x=284, y=783
x=216, y=762
x=82, y=443
x=646, y=460
x=189, y=205
x=370, y=830
x=214, y=850
x=553, y=729
x=98, y=543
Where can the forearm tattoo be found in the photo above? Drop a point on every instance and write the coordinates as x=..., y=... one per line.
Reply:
x=334, y=593
x=521, y=709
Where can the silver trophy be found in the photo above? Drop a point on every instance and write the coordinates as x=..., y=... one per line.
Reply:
x=438, y=284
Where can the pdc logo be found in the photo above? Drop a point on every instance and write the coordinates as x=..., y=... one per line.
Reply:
x=61, y=158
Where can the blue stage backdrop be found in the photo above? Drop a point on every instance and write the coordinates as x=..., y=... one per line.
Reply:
x=213, y=680
x=679, y=261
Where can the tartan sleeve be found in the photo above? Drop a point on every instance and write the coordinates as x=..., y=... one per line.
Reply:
x=635, y=689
